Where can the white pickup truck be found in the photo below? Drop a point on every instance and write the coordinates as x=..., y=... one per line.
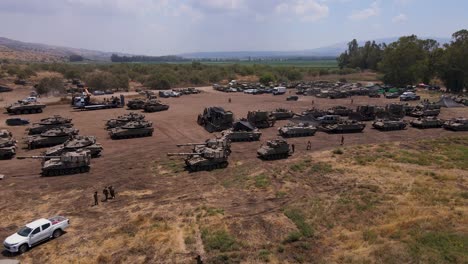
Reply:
x=36, y=232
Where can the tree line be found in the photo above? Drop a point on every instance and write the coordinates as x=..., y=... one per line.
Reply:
x=410, y=59
x=171, y=58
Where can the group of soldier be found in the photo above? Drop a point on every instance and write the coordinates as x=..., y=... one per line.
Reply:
x=108, y=192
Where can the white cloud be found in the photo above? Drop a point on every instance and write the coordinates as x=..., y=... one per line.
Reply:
x=138, y=7
x=306, y=10
x=217, y=5
x=188, y=11
x=399, y=18
x=373, y=10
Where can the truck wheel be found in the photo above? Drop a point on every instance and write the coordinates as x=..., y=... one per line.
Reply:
x=23, y=248
x=57, y=233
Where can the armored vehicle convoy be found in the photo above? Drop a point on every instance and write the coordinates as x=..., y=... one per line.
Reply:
x=427, y=122
x=457, y=124
x=344, y=126
x=133, y=129
x=282, y=114
x=215, y=118
x=339, y=110
x=387, y=125
x=242, y=131
x=299, y=130
x=68, y=163
x=7, y=144
x=123, y=119
x=274, y=149
x=155, y=106
x=135, y=104
x=48, y=123
x=261, y=119
x=51, y=137
x=77, y=142
x=24, y=107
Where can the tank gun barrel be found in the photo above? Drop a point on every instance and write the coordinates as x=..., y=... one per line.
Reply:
x=191, y=144
x=38, y=157
x=184, y=154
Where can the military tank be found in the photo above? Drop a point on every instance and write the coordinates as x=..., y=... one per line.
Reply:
x=282, y=114
x=133, y=129
x=77, y=142
x=155, y=106
x=261, y=119
x=23, y=107
x=242, y=131
x=457, y=124
x=123, y=119
x=339, y=110
x=136, y=104
x=48, y=123
x=297, y=130
x=427, y=122
x=68, y=163
x=427, y=109
x=51, y=137
x=344, y=126
x=7, y=144
x=388, y=125
x=274, y=149
x=314, y=112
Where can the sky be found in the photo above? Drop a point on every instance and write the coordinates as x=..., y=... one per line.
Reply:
x=162, y=27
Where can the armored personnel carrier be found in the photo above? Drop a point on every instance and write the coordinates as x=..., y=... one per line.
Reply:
x=123, y=119
x=242, y=131
x=48, y=123
x=154, y=106
x=215, y=119
x=7, y=144
x=282, y=114
x=299, y=130
x=274, y=149
x=344, y=126
x=314, y=112
x=387, y=125
x=23, y=107
x=427, y=122
x=68, y=163
x=428, y=109
x=51, y=137
x=457, y=124
x=261, y=119
x=135, y=104
x=339, y=110
x=133, y=129
x=77, y=142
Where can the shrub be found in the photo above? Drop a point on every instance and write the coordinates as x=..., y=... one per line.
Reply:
x=218, y=240
x=52, y=84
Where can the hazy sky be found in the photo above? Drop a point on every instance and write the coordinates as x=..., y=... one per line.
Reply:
x=159, y=27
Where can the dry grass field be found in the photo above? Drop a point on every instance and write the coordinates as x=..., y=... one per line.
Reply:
x=383, y=197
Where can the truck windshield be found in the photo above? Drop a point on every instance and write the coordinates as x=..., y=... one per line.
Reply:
x=25, y=231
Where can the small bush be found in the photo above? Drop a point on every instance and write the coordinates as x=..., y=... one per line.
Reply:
x=48, y=85
x=369, y=236
x=299, y=220
x=293, y=237
x=338, y=151
x=218, y=240
x=262, y=181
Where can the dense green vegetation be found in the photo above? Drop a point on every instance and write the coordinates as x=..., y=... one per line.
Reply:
x=410, y=60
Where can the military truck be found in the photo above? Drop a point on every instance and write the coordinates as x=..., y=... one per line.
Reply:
x=155, y=106
x=242, y=131
x=274, y=149
x=123, y=119
x=24, y=107
x=344, y=126
x=388, y=125
x=457, y=124
x=427, y=122
x=48, y=123
x=51, y=137
x=68, y=163
x=77, y=142
x=282, y=114
x=7, y=144
x=135, y=104
x=215, y=118
x=297, y=130
x=339, y=110
x=261, y=119
x=133, y=129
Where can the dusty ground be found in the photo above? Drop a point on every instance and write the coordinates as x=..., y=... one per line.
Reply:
x=163, y=214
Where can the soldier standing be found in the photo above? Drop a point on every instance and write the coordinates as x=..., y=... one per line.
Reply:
x=309, y=145
x=111, y=192
x=229, y=100
x=106, y=193
x=352, y=100
x=199, y=259
x=342, y=140
x=95, y=198
x=293, y=148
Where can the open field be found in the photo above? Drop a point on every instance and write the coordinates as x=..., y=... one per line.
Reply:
x=326, y=64
x=385, y=197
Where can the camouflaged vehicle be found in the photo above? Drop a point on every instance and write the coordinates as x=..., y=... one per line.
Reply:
x=427, y=122
x=344, y=126
x=135, y=104
x=282, y=114
x=242, y=131
x=274, y=149
x=7, y=144
x=51, y=137
x=123, y=119
x=388, y=125
x=132, y=129
x=314, y=112
x=68, y=163
x=339, y=110
x=154, y=106
x=215, y=119
x=23, y=107
x=77, y=142
x=297, y=130
x=457, y=124
x=427, y=109
x=48, y=123
x=261, y=119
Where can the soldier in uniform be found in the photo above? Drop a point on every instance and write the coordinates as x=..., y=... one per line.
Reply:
x=229, y=100
x=111, y=192
x=199, y=259
x=309, y=145
x=293, y=148
x=106, y=193
x=342, y=140
x=95, y=198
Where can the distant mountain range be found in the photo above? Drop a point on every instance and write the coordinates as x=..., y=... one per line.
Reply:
x=24, y=51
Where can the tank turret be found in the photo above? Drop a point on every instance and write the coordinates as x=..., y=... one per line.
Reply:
x=124, y=119
x=154, y=105
x=76, y=143
x=67, y=163
x=51, y=137
x=48, y=123
x=457, y=124
x=133, y=129
x=7, y=144
x=427, y=122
